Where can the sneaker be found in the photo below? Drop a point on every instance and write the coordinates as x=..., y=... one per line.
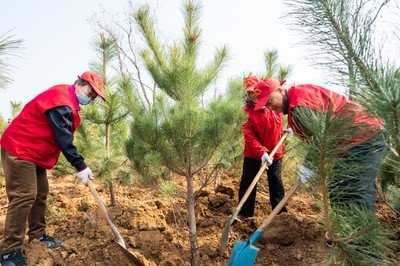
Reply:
x=50, y=242
x=238, y=219
x=13, y=258
x=246, y=221
x=243, y=219
x=328, y=240
x=284, y=210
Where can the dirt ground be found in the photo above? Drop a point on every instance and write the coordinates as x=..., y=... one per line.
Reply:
x=155, y=227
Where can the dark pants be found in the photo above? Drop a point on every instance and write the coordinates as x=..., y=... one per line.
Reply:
x=27, y=189
x=276, y=189
x=354, y=176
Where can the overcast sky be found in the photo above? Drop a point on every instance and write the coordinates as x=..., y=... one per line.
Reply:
x=58, y=39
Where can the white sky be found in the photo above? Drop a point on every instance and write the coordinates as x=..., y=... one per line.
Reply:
x=58, y=39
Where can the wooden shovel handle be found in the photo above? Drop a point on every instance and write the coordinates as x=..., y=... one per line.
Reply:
x=104, y=212
x=278, y=207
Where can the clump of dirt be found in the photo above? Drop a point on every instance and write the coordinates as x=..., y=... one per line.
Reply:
x=156, y=227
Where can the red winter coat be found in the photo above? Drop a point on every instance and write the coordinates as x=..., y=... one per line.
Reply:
x=321, y=99
x=30, y=137
x=262, y=132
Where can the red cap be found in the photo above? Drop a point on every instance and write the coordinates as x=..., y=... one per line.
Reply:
x=264, y=89
x=250, y=83
x=96, y=81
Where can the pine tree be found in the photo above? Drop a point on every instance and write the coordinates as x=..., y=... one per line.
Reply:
x=145, y=161
x=137, y=96
x=9, y=46
x=341, y=34
x=356, y=234
x=15, y=108
x=108, y=114
x=273, y=68
x=184, y=132
x=3, y=124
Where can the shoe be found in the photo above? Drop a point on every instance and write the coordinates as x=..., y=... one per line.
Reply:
x=248, y=221
x=13, y=258
x=241, y=219
x=50, y=242
x=284, y=210
x=328, y=240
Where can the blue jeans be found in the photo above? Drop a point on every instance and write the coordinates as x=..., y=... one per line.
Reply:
x=353, y=181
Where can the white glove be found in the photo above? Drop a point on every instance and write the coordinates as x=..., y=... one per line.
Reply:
x=85, y=175
x=288, y=130
x=267, y=159
x=304, y=173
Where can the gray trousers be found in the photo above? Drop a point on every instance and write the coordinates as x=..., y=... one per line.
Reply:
x=355, y=174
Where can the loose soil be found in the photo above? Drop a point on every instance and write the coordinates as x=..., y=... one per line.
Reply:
x=155, y=226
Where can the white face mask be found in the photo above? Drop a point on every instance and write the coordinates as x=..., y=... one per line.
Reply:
x=83, y=97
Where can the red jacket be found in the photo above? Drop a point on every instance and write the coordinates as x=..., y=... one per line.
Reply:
x=262, y=132
x=321, y=99
x=30, y=137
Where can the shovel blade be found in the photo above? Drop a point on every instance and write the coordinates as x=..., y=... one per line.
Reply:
x=243, y=254
x=135, y=259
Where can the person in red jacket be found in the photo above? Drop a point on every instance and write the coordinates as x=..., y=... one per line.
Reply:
x=362, y=146
x=31, y=144
x=262, y=131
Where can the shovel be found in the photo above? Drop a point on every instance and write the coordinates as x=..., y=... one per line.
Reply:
x=245, y=253
x=135, y=259
x=225, y=233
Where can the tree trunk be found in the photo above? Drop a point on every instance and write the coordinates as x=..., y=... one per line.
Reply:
x=325, y=193
x=108, y=145
x=190, y=201
x=108, y=155
x=325, y=199
x=112, y=193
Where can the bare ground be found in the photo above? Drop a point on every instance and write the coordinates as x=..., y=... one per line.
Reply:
x=155, y=227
